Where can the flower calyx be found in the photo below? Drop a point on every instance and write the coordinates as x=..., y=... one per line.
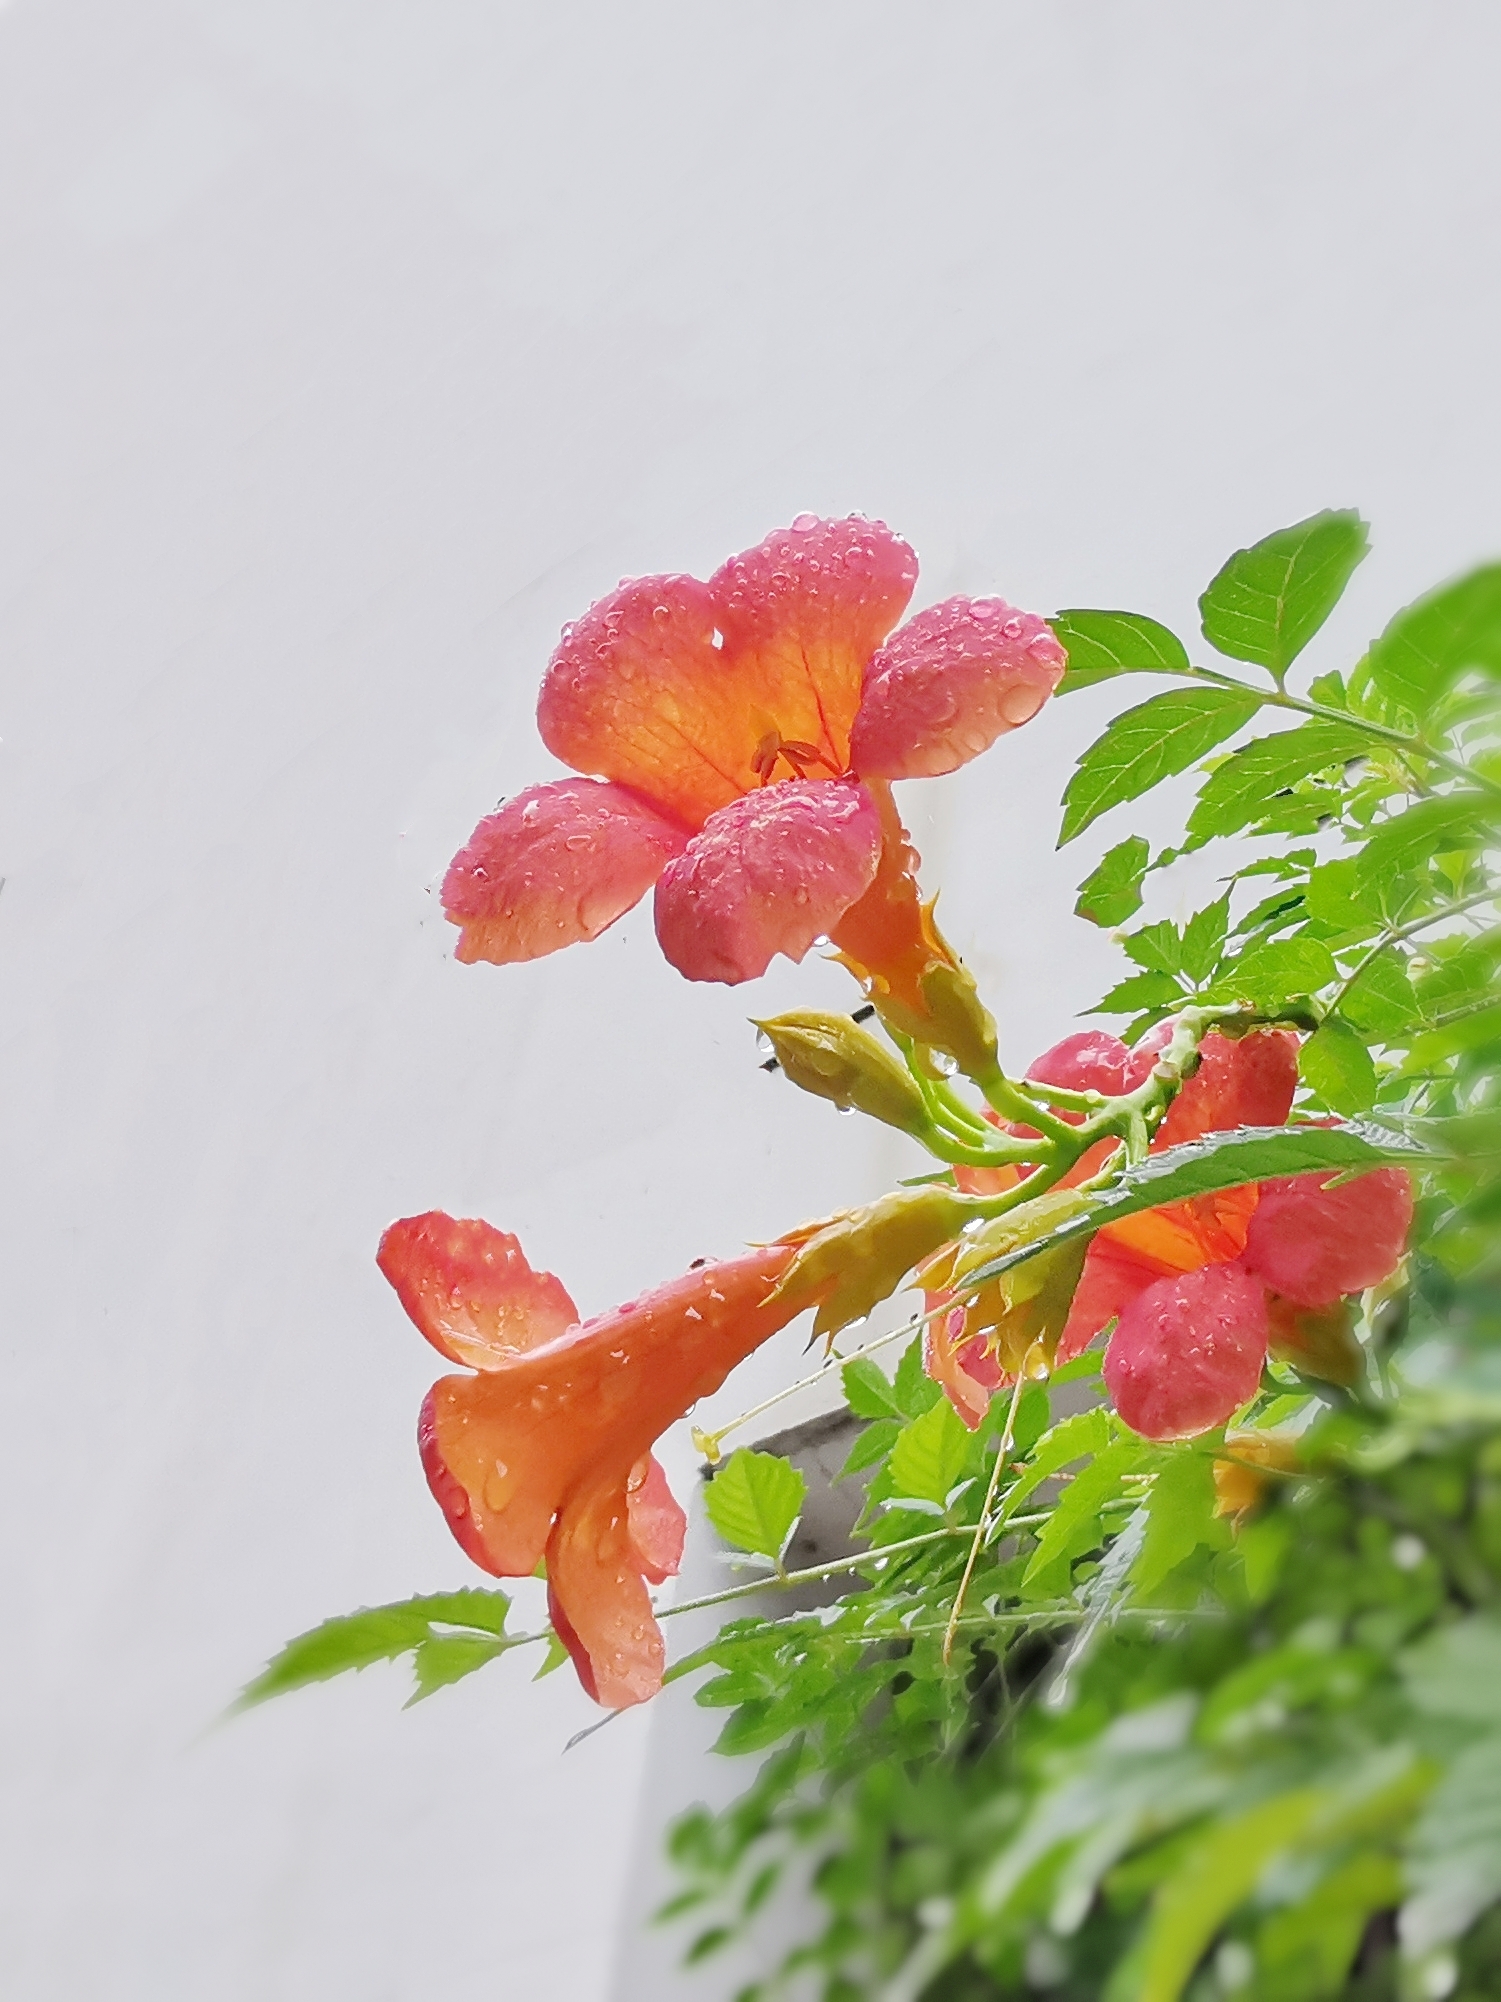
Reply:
x=849, y=1263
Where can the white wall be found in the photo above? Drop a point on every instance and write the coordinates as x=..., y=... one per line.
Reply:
x=346, y=349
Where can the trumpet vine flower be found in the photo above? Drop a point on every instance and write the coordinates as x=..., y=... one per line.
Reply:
x=735, y=741
x=545, y=1450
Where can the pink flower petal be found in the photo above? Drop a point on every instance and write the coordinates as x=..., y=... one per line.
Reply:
x=804, y=611
x=657, y=1523
x=949, y=683
x=1087, y=1061
x=1188, y=1352
x=1313, y=1243
x=556, y=864
x=470, y=1290
x=770, y=873
x=637, y=691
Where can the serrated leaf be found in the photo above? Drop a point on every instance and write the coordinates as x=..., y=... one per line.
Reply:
x=1148, y=744
x=1103, y=644
x=1222, y=1161
x=868, y=1391
x=1071, y=1528
x=915, y=1390
x=1335, y=897
x=872, y=1445
x=553, y=1658
x=1142, y=990
x=1430, y=643
x=1180, y=1516
x=1113, y=892
x=1076, y=1437
x=353, y=1641
x=1158, y=948
x=1268, y=601
x=754, y=1501
x=1337, y=1064
x=1409, y=840
x=1271, y=974
x=1381, y=1001
x=929, y=1455
x=448, y=1658
x=1204, y=940
x=1238, y=791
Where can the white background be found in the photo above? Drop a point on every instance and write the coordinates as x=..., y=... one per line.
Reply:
x=347, y=347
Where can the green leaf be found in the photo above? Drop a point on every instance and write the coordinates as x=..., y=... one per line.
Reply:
x=1072, y=1528
x=868, y=1391
x=1218, y=1161
x=1113, y=892
x=1073, y=1438
x=1336, y=1062
x=1240, y=790
x=929, y=1456
x=1180, y=1516
x=1142, y=990
x=873, y=1444
x=449, y=1658
x=1456, y=1672
x=1204, y=940
x=1271, y=974
x=1335, y=897
x=1218, y=1871
x=1268, y=601
x=754, y=1501
x=1103, y=644
x=374, y=1633
x=1147, y=744
x=1407, y=842
x=1158, y=947
x=1430, y=644
x=1454, y=1857
x=554, y=1657
x=915, y=1390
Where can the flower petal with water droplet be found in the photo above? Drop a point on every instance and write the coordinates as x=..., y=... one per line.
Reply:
x=555, y=865
x=470, y=1290
x=770, y=873
x=948, y=683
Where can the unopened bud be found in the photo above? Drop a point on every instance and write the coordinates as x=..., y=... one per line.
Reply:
x=834, y=1058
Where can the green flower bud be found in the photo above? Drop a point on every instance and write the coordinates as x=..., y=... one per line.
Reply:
x=834, y=1058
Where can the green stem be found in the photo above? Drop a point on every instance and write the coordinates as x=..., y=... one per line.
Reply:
x=1003, y=1097
x=1395, y=935
x=1400, y=740
x=861, y=1560
x=1002, y=1454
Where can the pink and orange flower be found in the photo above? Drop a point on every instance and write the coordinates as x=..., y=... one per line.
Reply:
x=735, y=740
x=545, y=1451
x=1200, y=1290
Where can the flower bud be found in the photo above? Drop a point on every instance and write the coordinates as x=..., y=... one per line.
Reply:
x=834, y=1058
x=848, y=1264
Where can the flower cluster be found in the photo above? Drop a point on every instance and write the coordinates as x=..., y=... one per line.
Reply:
x=1201, y=1291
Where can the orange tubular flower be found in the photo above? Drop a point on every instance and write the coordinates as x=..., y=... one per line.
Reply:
x=546, y=1450
x=736, y=738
